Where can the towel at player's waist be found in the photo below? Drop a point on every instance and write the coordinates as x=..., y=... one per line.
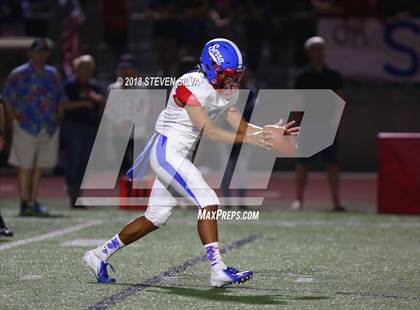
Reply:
x=137, y=170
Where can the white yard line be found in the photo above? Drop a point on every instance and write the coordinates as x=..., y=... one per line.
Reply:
x=50, y=235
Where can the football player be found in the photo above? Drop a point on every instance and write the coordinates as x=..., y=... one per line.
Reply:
x=195, y=101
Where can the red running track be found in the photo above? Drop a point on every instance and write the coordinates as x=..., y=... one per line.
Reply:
x=355, y=188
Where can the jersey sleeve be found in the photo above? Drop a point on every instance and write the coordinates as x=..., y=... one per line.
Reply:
x=193, y=90
x=185, y=96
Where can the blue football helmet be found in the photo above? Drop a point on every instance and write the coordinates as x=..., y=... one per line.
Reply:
x=221, y=63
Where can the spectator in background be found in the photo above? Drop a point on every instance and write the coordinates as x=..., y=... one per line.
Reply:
x=33, y=96
x=329, y=7
x=38, y=14
x=303, y=26
x=222, y=14
x=401, y=8
x=277, y=28
x=167, y=32
x=137, y=106
x=252, y=14
x=11, y=18
x=81, y=119
x=194, y=21
x=115, y=17
x=4, y=231
x=317, y=75
x=187, y=64
x=360, y=8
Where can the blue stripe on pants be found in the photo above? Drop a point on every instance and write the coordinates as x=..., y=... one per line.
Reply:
x=161, y=157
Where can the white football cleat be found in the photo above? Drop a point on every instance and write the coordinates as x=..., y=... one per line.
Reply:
x=297, y=205
x=98, y=267
x=228, y=276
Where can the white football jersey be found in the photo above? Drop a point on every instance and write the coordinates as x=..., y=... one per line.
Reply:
x=192, y=89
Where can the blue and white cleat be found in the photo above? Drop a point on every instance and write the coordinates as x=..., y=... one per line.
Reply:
x=98, y=267
x=228, y=276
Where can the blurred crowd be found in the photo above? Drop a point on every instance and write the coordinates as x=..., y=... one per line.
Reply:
x=180, y=27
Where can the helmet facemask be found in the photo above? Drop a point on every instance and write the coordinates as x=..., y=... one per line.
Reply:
x=227, y=79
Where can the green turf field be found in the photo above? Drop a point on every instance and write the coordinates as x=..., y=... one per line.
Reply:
x=307, y=260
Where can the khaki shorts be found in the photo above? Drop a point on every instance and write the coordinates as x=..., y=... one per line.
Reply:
x=29, y=151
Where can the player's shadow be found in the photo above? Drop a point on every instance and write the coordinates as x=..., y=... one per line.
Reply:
x=225, y=295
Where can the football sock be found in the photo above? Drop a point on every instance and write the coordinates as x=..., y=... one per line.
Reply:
x=108, y=248
x=213, y=255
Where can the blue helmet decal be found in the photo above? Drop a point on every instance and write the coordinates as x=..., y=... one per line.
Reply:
x=218, y=55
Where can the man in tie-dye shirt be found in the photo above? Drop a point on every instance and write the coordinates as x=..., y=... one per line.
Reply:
x=33, y=94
